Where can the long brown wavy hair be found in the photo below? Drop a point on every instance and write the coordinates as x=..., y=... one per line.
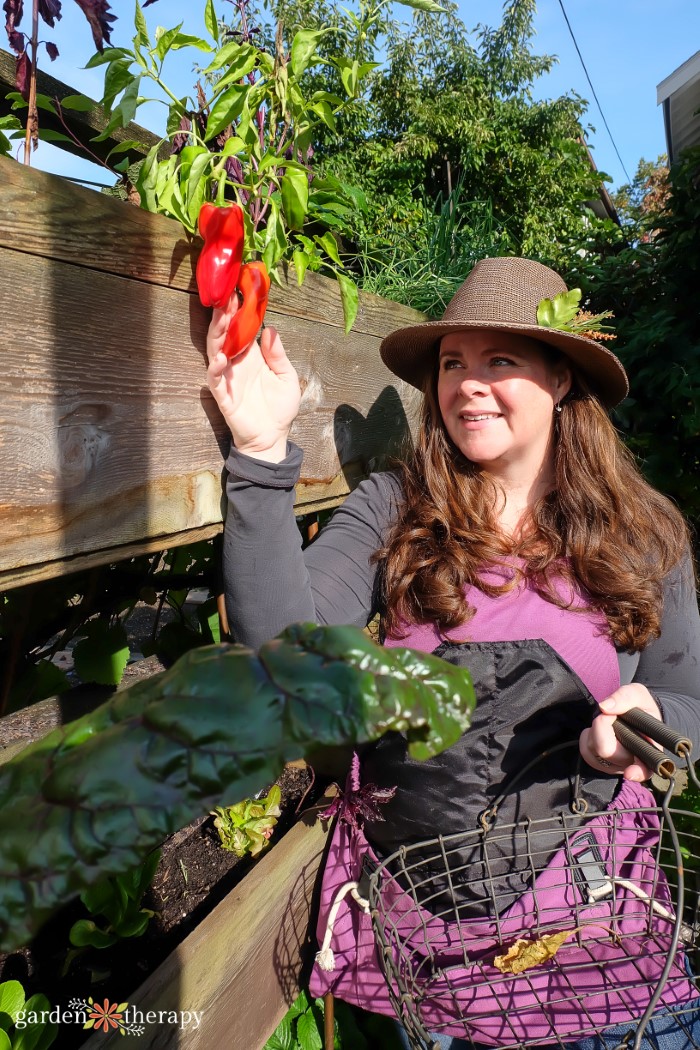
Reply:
x=602, y=528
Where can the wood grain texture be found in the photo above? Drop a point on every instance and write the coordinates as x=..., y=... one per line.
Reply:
x=110, y=443
x=241, y=966
x=44, y=215
x=84, y=125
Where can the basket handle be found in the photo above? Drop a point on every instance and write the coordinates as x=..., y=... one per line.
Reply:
x=627, y=729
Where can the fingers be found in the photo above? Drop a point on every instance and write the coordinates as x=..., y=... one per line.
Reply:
x=273, y=352
x=600, y=747
x=218, y=326
x=603, y=752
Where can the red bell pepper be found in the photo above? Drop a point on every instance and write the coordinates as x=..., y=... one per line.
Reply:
x=254, y=286
x=219, y=262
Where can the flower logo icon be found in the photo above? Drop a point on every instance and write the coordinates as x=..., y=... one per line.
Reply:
x=107, y=1016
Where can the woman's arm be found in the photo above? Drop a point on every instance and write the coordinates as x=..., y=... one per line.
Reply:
x=666, y=682
x=670, y=666
x=269, y=582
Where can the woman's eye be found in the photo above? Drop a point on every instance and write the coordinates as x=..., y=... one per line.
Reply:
x=448, y=363
x=502, y=361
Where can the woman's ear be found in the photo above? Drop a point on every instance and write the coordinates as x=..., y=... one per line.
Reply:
x=564, y=382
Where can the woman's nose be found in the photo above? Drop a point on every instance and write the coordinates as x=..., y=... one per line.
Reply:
x=473, y=383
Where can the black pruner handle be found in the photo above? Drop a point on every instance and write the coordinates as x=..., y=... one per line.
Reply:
x=643, y=750
x=658, y=731
x=628, y=729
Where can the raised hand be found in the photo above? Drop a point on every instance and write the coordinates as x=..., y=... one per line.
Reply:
x=257, y=391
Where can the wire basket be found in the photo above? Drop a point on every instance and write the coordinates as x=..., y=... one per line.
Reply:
x=596, y=929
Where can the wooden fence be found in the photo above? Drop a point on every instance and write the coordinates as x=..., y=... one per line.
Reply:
x=110, y=443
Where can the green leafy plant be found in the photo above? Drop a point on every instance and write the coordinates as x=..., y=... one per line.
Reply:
x=246, y=136
x=562, y=312
x=117, y=901
x=21, y=1026
x=247, y=826
x=303, y=1025
x=301, y=1028
x=105, y=790
x=95, y=614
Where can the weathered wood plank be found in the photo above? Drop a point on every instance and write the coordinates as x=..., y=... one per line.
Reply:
x=240, y=967
x=84, y=125
x=44, y=215
x=110, y=443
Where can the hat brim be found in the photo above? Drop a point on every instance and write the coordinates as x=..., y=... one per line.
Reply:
x=409, y=353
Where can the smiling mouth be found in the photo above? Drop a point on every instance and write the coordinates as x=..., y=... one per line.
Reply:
x=475, y=417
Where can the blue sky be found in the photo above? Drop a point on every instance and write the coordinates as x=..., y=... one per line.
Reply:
x=629, y=46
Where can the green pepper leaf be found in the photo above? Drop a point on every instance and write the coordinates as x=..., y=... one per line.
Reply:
x=237, y=59
x=349, y=297
x=301, y=262
x=110, y=54
x=210, y=20
x=304, y=47
x=225, y=110
x=295, y=197
x=330, y=247
x=78, y=103
x=142, y=38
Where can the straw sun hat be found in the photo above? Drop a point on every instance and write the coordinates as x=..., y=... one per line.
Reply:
x=503, y=295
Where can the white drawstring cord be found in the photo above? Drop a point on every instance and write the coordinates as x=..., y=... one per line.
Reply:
x=325, y=958
x=607, y=888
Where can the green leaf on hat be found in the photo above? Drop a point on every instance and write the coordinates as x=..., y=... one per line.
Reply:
x=559, y=311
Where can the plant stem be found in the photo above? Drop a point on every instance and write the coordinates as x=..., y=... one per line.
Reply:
x=32, y=114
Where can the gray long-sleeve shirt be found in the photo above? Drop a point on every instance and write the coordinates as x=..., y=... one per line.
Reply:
x=270, y=582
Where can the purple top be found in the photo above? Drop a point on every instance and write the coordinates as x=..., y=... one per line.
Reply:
x=521, y=614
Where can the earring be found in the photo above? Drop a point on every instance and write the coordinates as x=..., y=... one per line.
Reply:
x=557, y=407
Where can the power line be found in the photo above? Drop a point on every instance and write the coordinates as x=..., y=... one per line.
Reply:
x=590, y=83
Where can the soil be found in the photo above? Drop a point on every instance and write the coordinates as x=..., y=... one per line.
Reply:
x=194, y=874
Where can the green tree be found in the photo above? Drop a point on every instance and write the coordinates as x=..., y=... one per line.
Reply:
x=448, y=108
x=651, y=282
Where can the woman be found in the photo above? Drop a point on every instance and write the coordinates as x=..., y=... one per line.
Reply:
x=518, y=540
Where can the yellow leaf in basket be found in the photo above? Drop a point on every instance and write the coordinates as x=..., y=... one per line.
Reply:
x=524, y=954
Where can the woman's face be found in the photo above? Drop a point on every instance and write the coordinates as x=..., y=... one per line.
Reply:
x=497, y=393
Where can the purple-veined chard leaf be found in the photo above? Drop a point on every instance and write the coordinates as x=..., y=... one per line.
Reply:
x=100, y=793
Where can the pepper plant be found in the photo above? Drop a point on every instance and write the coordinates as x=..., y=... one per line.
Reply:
x=247, y=135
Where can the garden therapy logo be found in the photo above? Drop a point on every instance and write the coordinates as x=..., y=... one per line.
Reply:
x=129, y=1020
x=126, y=1019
